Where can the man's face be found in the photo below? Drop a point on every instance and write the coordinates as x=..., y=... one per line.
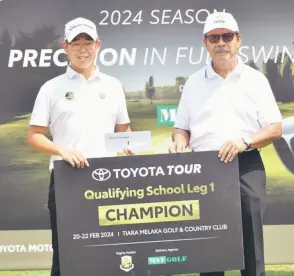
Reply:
x=222, y=44
x=82, y=51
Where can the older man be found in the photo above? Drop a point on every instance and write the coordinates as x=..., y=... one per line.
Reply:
x=229, y=107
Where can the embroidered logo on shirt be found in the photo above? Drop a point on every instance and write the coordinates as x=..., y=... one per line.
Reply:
x=69, y=95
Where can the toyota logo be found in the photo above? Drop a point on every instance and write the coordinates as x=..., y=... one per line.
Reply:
x=101, y=174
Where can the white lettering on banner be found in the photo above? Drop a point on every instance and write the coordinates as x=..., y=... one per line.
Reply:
x=29, y=57
x=164, y=17
x=141, y=172
x=181, y=53
x=258, y=54
x=40, y=247
x=189, y=16
x=116, y=57
x=118, y=17
x=156, y=171
x=150, y=56
x=25, y=248
x=155, y=55
x=44, y=58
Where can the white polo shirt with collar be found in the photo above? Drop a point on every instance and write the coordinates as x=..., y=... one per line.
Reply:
x=79, y=112
x=216, y=110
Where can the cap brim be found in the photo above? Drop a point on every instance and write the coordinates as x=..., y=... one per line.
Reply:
x=78, y=31
x=207, y=30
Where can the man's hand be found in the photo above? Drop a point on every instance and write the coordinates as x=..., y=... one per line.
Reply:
x=128, y=151
x=180, y=138
x=176, y=147
x=230, y=149
x=74, y=158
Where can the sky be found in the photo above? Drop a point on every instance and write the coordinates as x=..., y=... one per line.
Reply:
x=262, y=23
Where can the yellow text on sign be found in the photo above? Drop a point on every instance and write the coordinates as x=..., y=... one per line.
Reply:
x=148, y=212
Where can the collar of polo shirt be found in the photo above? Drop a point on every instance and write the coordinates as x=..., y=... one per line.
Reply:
x=210, y=73
x=71, y=73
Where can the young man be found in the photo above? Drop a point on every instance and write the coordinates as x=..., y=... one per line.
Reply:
x=78, y=107
x=229, y=107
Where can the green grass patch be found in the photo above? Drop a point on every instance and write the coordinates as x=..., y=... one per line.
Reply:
x=271, y=270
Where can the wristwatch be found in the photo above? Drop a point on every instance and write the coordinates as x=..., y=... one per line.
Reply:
x=248, y=142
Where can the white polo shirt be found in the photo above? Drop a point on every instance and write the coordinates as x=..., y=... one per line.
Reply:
x=79, y=112
x=215, y=110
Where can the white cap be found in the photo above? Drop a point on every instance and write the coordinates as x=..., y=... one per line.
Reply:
x=220, y=20
x=78, y=26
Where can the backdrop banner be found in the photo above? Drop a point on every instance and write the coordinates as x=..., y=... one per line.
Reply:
x=151, y=47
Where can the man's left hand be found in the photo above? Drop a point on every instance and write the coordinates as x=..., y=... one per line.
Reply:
x=230, y=149
x=128, y=151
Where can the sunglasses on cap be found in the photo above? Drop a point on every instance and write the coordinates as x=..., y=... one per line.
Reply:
x=226, y=37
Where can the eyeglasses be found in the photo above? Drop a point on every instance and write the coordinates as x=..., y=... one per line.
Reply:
x=76, y=46
x=226, y=37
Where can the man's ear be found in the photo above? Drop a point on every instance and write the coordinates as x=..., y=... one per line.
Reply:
x=239, y=40
x=98, y=45
x=204, y=42
x=65, y=46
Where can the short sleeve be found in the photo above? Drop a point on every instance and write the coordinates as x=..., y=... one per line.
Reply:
x=123, y=116
x=268, y=109
x=183, y=118
x=41, y=111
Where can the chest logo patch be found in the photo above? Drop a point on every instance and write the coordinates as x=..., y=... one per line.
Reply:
x=69, y=96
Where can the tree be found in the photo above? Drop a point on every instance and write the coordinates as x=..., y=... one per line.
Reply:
x=252, y=64
x=273, y=75
x=287, y=87
x=180, y=81
x=150, y=89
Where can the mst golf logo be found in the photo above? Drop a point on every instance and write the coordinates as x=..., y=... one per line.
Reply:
x=126, y=263
x=159, y=260
x=101, y=174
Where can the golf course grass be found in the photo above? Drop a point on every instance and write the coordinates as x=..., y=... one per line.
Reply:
x=271, y=270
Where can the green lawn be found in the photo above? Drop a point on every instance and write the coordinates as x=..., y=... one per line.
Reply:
x=278, y=270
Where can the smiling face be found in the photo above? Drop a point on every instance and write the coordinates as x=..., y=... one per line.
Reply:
x=222, y=44
x=82, y=51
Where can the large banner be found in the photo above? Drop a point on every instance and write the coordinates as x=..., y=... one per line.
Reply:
x=151, y=47
x=150, y=216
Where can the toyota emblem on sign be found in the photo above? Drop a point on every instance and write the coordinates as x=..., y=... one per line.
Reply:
x=101, y=174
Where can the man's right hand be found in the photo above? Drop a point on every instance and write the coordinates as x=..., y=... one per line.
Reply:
x=176, y=147
x=74, y=158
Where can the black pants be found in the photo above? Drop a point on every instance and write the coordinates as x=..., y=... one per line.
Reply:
x=253, y=195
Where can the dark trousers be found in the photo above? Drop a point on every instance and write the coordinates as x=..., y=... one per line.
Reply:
x=253, y=195
x=55, y=271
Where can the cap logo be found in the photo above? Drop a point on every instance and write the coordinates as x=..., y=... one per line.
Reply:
x=75, y=26
x=219, y=21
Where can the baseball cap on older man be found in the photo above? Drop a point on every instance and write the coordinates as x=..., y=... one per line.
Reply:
x=78, y=26
x=220, y=20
